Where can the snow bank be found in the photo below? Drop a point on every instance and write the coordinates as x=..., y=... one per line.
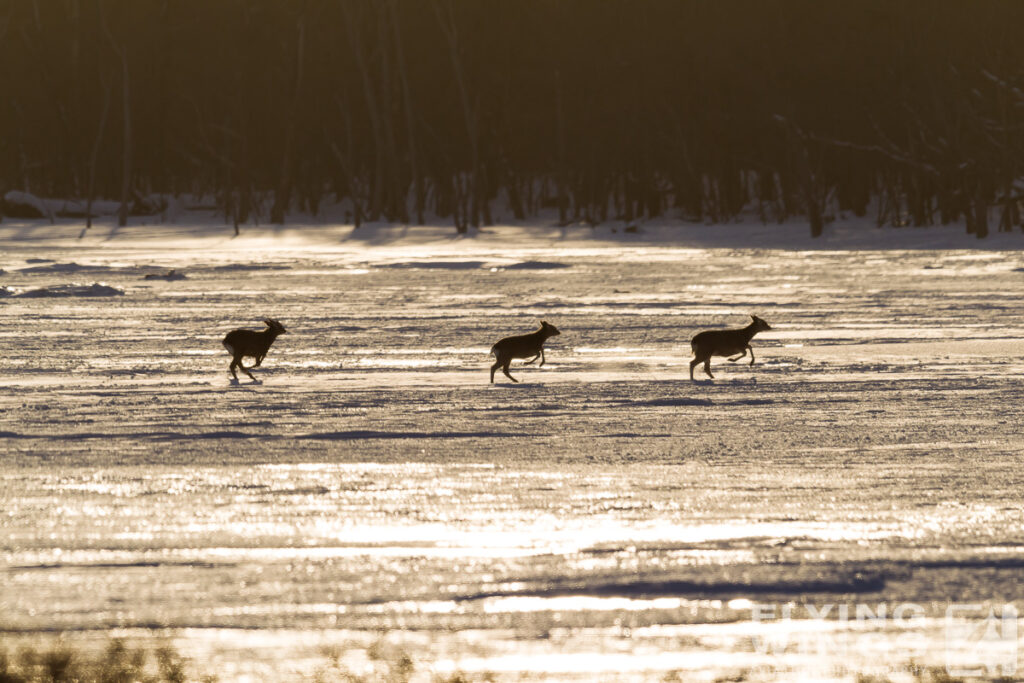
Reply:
x=170, y=275
x=23, y=205
x=435, y=265
x=537, y=265
x=56, y=268
x=242, y=267
x=96, y=289
x=205, y=231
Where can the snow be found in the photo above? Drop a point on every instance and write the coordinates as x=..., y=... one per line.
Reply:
x=71, y=289
x=170, y=275
x=24, y=199
x=606, y=518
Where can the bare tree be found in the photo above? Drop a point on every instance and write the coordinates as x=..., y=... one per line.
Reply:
x=409, y=109
x=121, y=50
x=95, y=155
x=468, y=188
x=374, y=111
x=283, y=196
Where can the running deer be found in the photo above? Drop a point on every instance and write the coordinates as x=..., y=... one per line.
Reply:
x=521, y=346
x=725, y=343
x=241, y=343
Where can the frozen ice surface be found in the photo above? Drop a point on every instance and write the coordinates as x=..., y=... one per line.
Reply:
x=607, y=518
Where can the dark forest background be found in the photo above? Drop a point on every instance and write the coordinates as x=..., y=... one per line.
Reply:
x=476, y=110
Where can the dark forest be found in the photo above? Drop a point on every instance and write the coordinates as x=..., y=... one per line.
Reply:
x=477, y=111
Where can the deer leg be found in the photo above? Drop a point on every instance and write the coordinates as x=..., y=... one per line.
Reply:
x=541, y=357
x=238, y=362
x=231, y=368
x=259, y=360
x=693, y=363
x=504, y=368
x=707, y=368
x=497, y=364
x=733, y=360
x=751, y=349
x=533, y=359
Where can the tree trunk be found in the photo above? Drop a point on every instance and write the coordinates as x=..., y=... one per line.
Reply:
x=94, y=157
x=282, y=197
x=396, y=196
x=345, y=161
x=515, y=199
x=126, y=123
x=373, y=110
x=410, y=128
x=560, y=150
x=469, y=114
x=980, y=218
x=126, y=158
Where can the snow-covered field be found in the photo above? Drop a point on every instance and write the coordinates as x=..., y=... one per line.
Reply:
x=606, y=518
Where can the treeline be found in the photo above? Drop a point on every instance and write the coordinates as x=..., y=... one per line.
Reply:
x=483, y=109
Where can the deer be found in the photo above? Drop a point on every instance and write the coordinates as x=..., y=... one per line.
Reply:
x=522, y=346
x=725, y=343
x=241, y=343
